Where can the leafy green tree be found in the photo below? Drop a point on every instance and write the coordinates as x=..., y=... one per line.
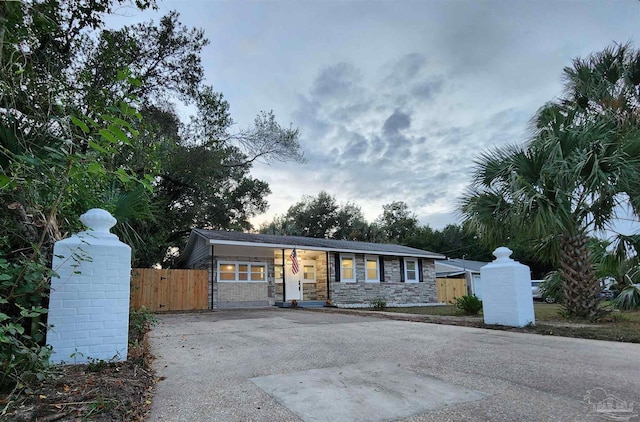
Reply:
x=87, y=120
x=322, y=217
x=564, y=185
x=397, y=223
x=54, y=163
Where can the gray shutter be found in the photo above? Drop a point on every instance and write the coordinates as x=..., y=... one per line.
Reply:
x=336, y=257
x=420, y=276
x=401, y=270
x=381, y=264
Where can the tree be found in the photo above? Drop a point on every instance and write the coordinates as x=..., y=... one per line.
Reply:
x=322, y=217
x=87, y=120
x=564, y=185
x=397, y=223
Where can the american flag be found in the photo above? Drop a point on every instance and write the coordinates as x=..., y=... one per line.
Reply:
x=294, y=261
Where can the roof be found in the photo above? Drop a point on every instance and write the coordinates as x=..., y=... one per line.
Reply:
x=289, y=242
x=458, y=266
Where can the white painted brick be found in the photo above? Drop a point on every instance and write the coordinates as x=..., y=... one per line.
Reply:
x=87, y=320
x=88, y=326
x=61, y=312
x=89, y=341
x=506, y=295
x=90, y=294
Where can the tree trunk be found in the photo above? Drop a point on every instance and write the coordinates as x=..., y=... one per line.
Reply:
x=579, y=280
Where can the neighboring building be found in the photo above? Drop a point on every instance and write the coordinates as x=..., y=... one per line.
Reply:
x=462, y=268
x=257, y=270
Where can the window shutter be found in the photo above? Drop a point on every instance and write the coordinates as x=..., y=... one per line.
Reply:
x=401, y=270
x=420, y=276
x=337, y=262
x=381, y=269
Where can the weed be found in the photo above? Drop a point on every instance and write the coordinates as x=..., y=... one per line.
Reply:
x=469, y=304
x=379, y=304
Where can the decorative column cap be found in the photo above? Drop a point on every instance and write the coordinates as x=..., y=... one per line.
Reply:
x=502, y=255
x=98, y=221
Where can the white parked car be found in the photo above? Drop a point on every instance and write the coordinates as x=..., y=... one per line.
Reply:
x=537, y=293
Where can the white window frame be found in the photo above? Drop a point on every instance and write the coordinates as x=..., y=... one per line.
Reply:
x=249, y=267
x=308, y=263
x=277, y=279
x=375, y=259
x=406, y=271
x=343, y=279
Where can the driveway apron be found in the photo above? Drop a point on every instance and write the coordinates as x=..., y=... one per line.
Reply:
x=300, y=365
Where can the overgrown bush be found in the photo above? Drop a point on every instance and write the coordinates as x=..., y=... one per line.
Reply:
x=23, y=290
x=140, y=322
x=379, y=304
x=469, y=304
x=629, y=298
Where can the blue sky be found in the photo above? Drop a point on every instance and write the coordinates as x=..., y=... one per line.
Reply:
x=393, y=99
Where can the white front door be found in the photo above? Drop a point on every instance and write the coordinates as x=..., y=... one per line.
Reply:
x=292, y=283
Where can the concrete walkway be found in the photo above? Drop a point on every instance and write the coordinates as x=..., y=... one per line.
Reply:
x=293, y=365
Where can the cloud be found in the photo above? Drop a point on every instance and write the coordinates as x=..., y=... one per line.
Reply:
x=395, y=123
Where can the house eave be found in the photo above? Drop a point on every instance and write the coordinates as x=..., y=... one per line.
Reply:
x=319, y=248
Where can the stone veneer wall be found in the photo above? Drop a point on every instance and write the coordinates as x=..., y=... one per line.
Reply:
x=393, y=292
x=311, y=291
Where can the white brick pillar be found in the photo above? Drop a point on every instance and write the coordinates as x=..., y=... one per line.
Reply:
x=506, y=291
x=89, y=300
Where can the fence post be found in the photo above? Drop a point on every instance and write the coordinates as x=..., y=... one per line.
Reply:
x=89, y=300
x=506, y=293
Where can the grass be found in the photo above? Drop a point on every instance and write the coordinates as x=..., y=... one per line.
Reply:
x=615, y=326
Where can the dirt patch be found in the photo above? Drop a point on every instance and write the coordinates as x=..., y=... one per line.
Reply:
x=109, y=392
x=97, y=391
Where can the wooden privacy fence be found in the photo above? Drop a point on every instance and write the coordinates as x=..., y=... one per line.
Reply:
x=169, y=290
x=448, y=289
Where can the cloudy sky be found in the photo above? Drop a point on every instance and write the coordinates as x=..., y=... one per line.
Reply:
x=394, y=99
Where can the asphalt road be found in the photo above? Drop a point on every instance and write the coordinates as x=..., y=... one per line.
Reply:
x=293, y=365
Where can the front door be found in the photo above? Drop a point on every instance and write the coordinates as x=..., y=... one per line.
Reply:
x=292, y=283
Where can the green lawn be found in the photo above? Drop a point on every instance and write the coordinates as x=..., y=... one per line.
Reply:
x=616, y=326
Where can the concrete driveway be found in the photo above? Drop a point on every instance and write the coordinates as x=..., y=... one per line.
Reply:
x=293, y=365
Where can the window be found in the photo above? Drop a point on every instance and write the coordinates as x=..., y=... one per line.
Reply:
x=309, y=272
x=371, y=269
x=277, y=272
x=227, y=272
x=411, y=271
x=242, y=271
x=348, y=268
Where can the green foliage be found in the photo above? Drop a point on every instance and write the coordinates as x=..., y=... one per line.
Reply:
x=23, y=359
x=397, y=223
x=551, y=287
x=564, y=185
x=628, y=298
x=379, y=304
x=141, y=321
x=322, y=217
x=469, y=304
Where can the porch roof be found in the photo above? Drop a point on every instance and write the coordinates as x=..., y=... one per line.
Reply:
x=218, y=237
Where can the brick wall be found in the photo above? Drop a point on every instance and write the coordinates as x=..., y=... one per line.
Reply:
x=230, y=294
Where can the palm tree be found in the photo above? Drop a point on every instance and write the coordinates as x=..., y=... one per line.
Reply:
x=565, y=183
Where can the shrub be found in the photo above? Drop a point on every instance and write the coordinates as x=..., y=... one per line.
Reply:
x=469, y=304
x=629, y=298
x=379, y=304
